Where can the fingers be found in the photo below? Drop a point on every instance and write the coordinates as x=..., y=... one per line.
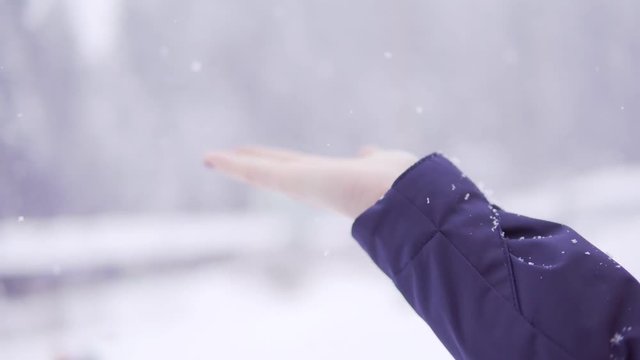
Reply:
x=273, y=153
x=292, y=155
x=254, y=170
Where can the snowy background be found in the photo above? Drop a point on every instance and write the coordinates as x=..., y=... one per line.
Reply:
x=115, y=242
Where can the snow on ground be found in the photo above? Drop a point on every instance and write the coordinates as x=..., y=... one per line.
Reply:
x=245, y=286
x=267, y=294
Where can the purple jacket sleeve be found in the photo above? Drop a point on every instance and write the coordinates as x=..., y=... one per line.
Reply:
x=495, y=285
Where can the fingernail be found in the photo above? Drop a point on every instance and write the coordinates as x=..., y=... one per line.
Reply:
x=208, y=163
x=213, y=159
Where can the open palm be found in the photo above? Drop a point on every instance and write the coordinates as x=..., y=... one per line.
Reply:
x=348, y=185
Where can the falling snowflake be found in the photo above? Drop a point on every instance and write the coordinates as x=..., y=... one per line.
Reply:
x=574, y=241
x=428, y=201
x=453, y=187
x=530, y=263
x=587, y=253
x=466, y=197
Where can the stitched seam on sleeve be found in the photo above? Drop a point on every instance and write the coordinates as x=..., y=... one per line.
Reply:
x=424, y=243
x=536, y=329
x=533, y=327
x=512, y=278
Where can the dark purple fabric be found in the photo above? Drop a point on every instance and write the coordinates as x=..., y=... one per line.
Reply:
x=496, y=285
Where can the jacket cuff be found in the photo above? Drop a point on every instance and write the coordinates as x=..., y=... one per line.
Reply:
x=394, y=229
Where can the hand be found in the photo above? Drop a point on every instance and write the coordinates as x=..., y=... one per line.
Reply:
x=348, y=185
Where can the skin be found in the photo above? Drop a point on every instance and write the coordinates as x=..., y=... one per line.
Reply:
x=348, y=185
